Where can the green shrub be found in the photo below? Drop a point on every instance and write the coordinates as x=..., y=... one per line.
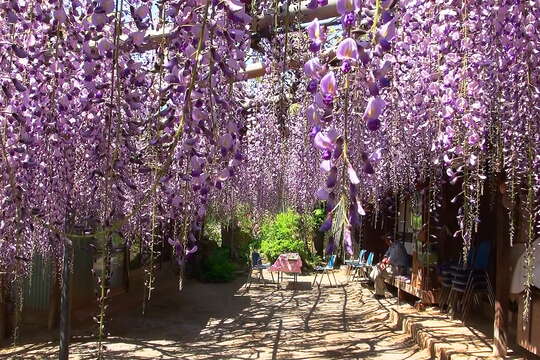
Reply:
x=312, y=260
x=217, y=267
x=281, y=234
x=315, y=219
x=236, y=227
x=212, y=230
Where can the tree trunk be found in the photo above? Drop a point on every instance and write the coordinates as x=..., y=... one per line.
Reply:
x=226, y=238
x=318, y=243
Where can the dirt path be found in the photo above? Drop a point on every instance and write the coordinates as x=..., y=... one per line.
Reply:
x=225, y=321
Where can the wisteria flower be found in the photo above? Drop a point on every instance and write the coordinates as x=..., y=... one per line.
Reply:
x=347, y=239
x=347, y=50
x=348, y=20
x=373, y=110
x=313, y=4
x=388, y=30
x=353, y=177
x=386, y=33
x=328, y=87
x=322, y=194
x=326, y=164
x=331, y=180
x=347, y=6
x=235, y=5
x=326, y=141
x=314, y=69
x=368, y=168
x=312, y=86
x=314, y=116
x=316, y=35
x=326, y=225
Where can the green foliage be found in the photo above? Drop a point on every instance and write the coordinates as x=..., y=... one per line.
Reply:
x=416, y=221
x=242, y=213
x=212, y=230
x=294, y=109
x=317, y=218
x=243, y=243
x=238, y=225
x=217, y=267
x=312, y=260
x=282, y=234
x=243, y=233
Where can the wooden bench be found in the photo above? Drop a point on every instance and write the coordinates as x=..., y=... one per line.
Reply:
x=427, y=297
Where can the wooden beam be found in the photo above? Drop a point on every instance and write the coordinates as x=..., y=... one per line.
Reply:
x=261, y=25
x=258, y=69
x=253, y=71
x=502, y=280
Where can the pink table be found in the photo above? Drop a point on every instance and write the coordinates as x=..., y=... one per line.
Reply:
x=287, y=263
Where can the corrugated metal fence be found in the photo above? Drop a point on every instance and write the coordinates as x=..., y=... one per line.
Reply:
x=37, y=287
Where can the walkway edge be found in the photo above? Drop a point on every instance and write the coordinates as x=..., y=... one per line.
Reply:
x=426, y=340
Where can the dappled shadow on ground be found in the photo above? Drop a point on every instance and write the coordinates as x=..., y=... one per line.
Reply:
x=226, y=321
x=444, y=337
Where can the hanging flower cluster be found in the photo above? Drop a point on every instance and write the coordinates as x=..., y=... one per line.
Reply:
x=364, y=68
x=105, y=132
x=122, y=118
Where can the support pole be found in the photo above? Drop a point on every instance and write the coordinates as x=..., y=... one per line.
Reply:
x=502, y=281
x=65, y=303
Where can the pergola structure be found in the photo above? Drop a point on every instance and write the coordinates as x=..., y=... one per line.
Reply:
x=410, y=103
x=263, y=26
x=260, y=27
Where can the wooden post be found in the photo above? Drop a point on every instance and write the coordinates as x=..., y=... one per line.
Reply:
x=3, y=310
x=126, y=266
x=502, y=281
x=65, y=302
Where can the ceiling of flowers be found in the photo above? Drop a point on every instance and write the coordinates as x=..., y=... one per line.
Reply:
x=116, y=116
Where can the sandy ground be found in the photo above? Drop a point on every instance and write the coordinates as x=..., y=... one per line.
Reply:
x=228, y=321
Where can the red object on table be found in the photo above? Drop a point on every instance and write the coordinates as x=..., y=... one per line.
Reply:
x=288, y=263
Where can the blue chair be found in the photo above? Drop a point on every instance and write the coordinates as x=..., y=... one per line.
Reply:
x=448, y=273
x=471, y=282
x=352, y=262
x=363, y=268
x=257, y=265
x=359, y=260
x=327, y=269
